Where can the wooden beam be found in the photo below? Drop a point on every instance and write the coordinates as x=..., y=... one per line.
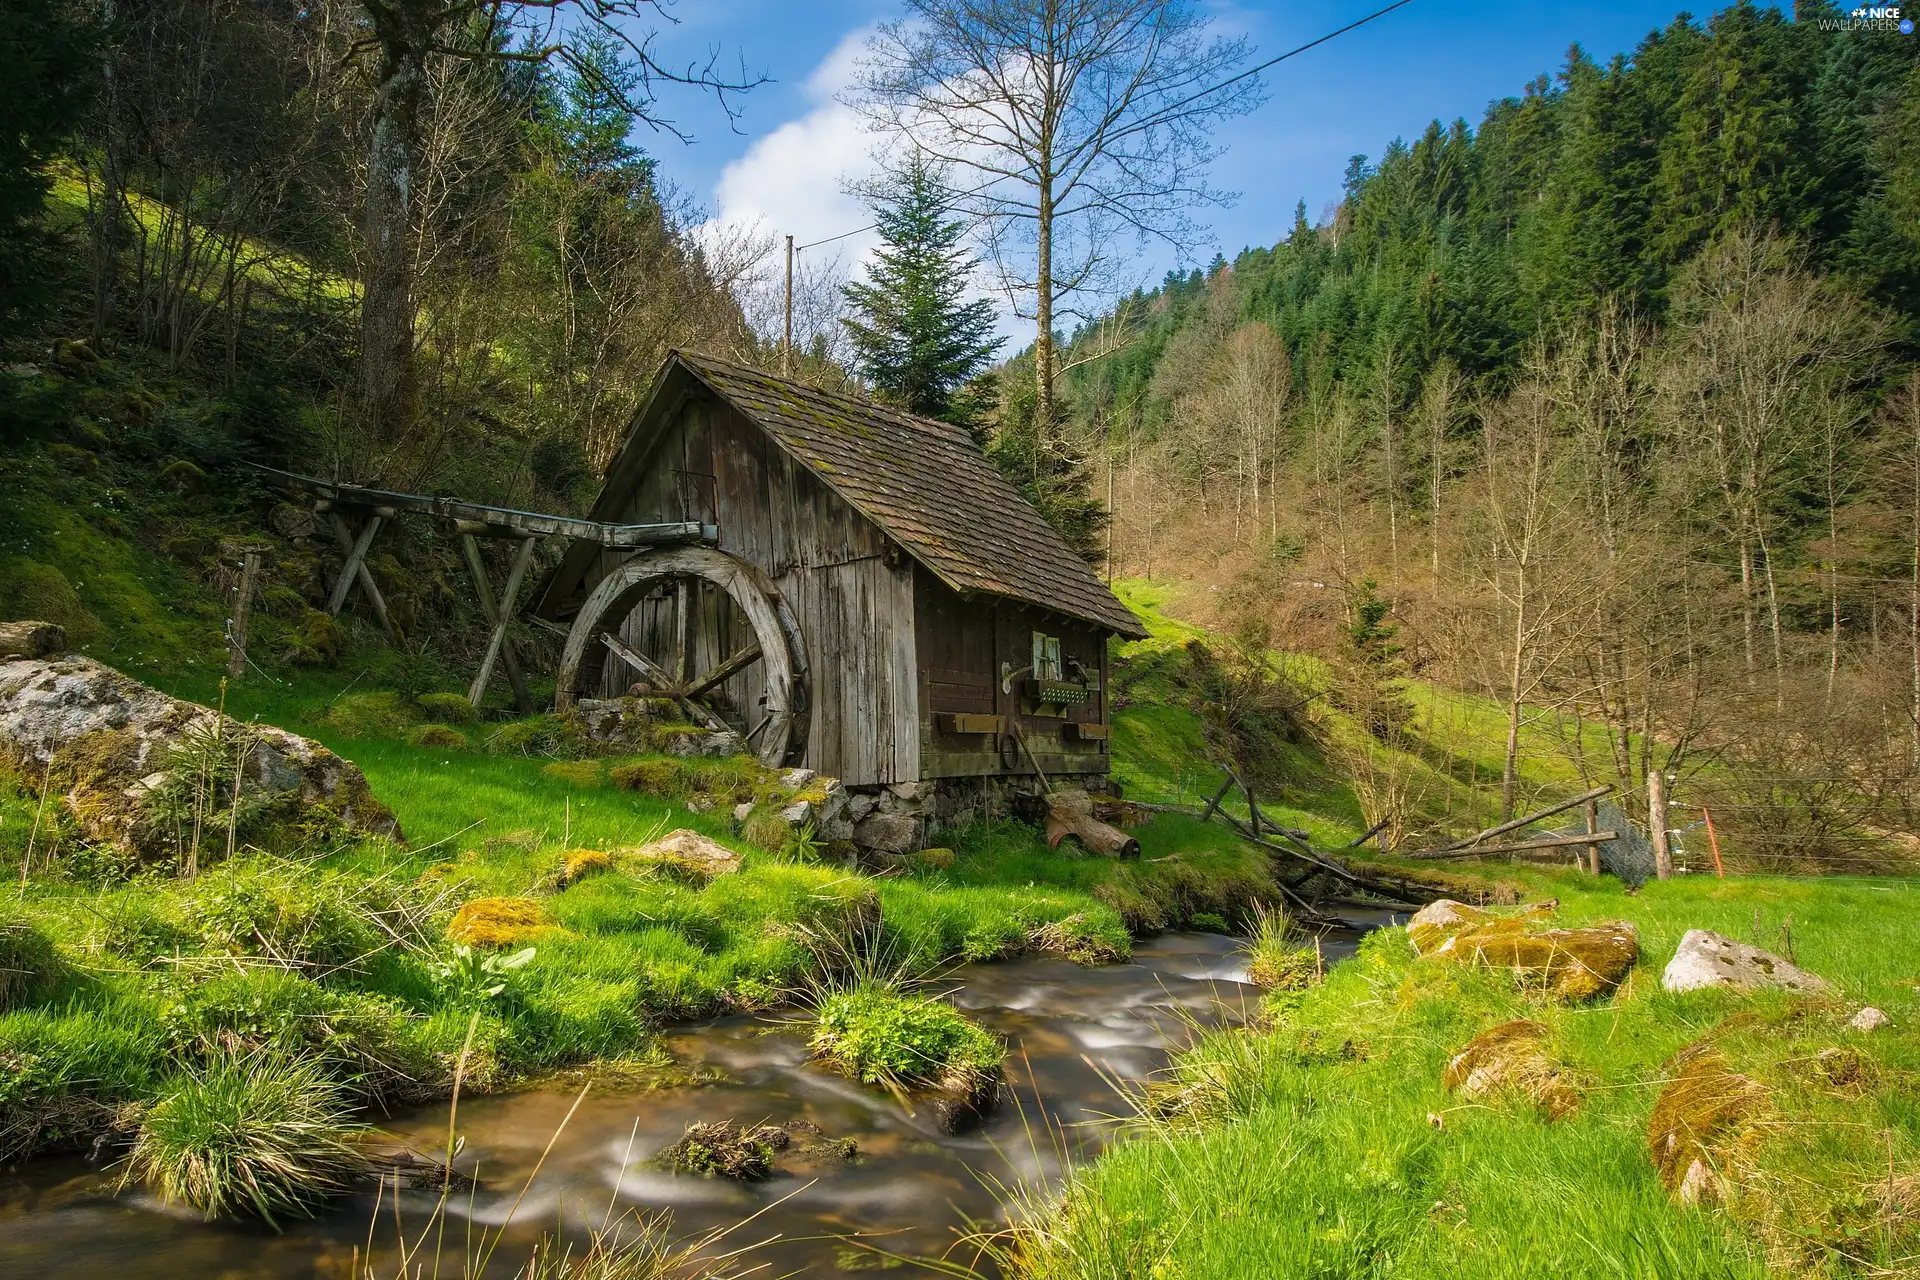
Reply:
x=497, y=642
x=1525, y=821
x=1595, y=838
x=523, y=523
x=477, y=569
x=725, y=671
x=250, y=555
x=658, y=674
x=356, y=568
x=1371, y=832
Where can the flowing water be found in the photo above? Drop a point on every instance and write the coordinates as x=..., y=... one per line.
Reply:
x=1073, y=1034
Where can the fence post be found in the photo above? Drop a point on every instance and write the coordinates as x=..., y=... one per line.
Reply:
x=1657, y=825
x=1593, y=825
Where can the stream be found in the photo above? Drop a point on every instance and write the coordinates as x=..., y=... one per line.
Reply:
x=1072, y=1032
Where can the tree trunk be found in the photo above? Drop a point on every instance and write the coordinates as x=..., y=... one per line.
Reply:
x=393, y=165
x=1043, y=320
x=108, y=229
x=1746, y=603
x=1509, y=774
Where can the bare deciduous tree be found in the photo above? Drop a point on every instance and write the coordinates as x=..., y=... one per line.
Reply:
x=1065, y=124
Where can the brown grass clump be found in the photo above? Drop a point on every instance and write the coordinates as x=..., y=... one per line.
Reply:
x=766, y=829
x=575, y=773
x=498, y=922
x=1698, y=1119
x=1513, y=1059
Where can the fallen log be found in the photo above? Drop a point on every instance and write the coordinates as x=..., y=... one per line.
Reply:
x=1515, y=824
x=1400, y=891
x=31, y=639
x=1070, y=813
x=1545, y=842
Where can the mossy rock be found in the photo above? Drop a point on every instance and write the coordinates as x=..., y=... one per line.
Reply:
x=936, y=859
x=880, y=1036
x=499, y=922
x=183, y=479
x=437, y=736
x=447, y=708
x=380, y=714
x=29, y=589
x=1514, y=1059
x=1570, y=964
x=723, y=1149
x=1699, y=1120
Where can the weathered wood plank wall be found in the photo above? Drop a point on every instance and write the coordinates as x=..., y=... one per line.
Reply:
x=854, y=600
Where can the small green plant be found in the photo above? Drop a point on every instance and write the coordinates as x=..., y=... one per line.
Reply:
x=1277, y=959
x=473, y=976
x=880, y=1036
x=260, y=1135
x=800, y=845
x=1209, y=922
x=27, y=960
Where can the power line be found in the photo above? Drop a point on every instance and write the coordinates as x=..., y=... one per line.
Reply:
x=1211, y=89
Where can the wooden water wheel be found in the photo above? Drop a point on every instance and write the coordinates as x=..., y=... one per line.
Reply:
x=686, y=667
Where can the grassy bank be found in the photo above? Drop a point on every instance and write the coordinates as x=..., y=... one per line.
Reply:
x=135, y=983
x=1324, y=1143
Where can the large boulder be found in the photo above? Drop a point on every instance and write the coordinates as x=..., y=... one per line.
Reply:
x=114, y=744
x=1709, y=959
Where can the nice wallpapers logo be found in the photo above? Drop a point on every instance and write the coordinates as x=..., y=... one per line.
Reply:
x=1871, y=18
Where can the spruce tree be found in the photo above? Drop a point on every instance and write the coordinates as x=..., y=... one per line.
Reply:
x=916, y=337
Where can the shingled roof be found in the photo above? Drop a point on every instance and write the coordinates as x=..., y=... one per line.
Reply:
x=924, y=482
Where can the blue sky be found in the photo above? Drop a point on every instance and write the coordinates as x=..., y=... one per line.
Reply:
x=783, y=163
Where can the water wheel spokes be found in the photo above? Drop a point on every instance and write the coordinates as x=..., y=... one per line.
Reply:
x=778, y=735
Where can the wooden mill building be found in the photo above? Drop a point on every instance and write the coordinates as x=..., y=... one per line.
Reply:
x=870, y=599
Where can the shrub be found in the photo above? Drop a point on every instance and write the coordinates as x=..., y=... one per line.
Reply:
x=882, y=1037
x=498, y=922
x=261, y=1135
x=448, y=708
x=437, y=735
x=28, y=962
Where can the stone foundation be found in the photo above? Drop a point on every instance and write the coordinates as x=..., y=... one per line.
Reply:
x=899, y=818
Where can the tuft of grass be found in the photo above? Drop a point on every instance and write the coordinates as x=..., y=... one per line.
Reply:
x=1278, y=957
x=441, y=736
x=28, y=962
x=260, y=1135
x=447, y=708
x=723, y=1149
x=880, y=1036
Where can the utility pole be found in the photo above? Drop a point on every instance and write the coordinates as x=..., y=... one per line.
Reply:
x=1657, y=825
x=786, y=344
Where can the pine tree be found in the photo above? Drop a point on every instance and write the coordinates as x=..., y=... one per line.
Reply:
x=916, y=338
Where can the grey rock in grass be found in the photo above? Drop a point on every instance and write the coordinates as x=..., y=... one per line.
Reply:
x=690, y=853
x=1709, y=959
x=888, y=832
x=109, y=738
x=1870, y=1019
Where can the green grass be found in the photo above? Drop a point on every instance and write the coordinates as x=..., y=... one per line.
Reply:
x=1324, y=1145
x=887, y=1037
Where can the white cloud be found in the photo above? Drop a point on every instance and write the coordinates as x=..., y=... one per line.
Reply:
x=793, y=181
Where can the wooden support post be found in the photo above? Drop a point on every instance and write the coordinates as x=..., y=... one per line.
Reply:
x=1713, y=843
x=356, y=568
x=684, y=634
x=1657, y=825
x=1207, y=814
x=250, y=554
x=654, y=671
x=1593, y=825
x=497, y=642
x=477, y=568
